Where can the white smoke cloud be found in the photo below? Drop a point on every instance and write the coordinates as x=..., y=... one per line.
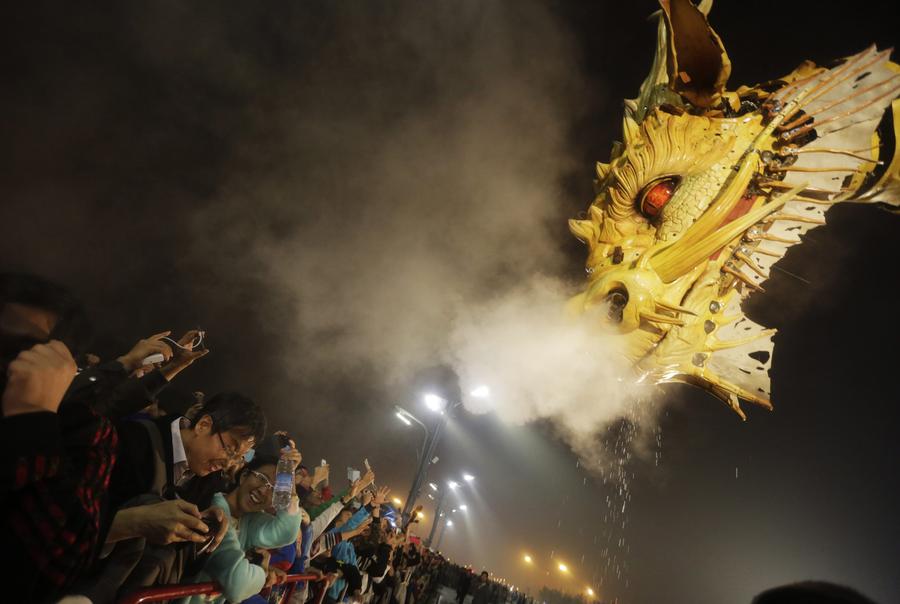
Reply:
x=539, y=362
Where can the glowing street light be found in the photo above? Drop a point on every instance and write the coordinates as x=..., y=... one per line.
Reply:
x=434, y=402
x=403, y=418
x=528, y=559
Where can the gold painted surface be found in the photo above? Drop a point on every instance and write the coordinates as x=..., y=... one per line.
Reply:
x=755, y=169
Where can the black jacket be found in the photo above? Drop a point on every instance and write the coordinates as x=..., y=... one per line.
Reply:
x=112, y=393
x=134, y=474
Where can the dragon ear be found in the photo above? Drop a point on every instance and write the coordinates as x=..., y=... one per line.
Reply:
x=696, y=62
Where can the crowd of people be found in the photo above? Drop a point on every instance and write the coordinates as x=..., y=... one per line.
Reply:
x=104, y=494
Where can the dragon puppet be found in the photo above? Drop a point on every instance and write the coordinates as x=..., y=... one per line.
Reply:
x=709, y=189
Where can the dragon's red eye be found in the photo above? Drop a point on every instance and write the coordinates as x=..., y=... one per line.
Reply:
x=656, y=196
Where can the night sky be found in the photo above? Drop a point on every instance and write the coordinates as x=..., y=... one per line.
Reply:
x=322, y=185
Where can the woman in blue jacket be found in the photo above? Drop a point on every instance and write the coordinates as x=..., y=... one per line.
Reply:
x=249, y=527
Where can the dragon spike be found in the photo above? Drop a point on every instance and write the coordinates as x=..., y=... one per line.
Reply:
x=742, y=277
x=596, y=213
x=657, y=318
x=674, y=308
x=583, y=230
x=749, y=262
x=630, y=130
x=602, y=170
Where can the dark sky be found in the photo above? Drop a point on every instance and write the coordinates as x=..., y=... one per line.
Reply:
x=321, y=185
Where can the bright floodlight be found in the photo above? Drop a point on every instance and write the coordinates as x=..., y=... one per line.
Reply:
x=563, y=567
x=464, y=507
x=528, y=559
x=589, y=591
x=449, y=523
x=481, y=392
x=397, y=501
x=434, y=402
x=420, y=515
x=433, y=486
x=403, y=419
x=453, y=511
x=452, y=484
x=468, y=477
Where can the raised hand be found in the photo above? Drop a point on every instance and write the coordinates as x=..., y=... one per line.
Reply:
x=381, y=496
x=155, y=344
x=37, y=379
x=184, y=354
x=320, y=474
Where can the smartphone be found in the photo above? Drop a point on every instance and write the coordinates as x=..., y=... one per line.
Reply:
x=324, y=463
x=352, y=474
x=368, y=467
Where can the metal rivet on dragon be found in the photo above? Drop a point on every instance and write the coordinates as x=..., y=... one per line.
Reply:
x=709, y=189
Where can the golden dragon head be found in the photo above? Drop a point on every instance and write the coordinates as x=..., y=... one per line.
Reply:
x=709, y=189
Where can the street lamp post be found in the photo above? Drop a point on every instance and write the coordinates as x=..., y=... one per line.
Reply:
x=451, y=485
x=437, y=514
x=445, y=409
x=444, y=526
x=408, y=418
x=424, y=461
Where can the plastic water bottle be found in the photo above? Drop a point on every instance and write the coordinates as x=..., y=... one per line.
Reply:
x=284, y=483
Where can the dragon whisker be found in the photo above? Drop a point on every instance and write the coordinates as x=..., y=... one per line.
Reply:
x=657, y=318
x=674, y=308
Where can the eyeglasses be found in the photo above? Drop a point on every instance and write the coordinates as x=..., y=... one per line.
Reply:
x=230, y=452
x=264, y=479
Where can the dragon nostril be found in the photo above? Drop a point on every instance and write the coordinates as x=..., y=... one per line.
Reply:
x=616, y=300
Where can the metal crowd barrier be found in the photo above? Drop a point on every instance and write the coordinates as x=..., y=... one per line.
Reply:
x=169, y=592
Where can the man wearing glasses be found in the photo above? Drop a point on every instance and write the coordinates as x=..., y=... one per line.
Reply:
x=166, y=472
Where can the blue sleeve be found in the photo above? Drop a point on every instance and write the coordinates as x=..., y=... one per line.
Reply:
x=302, y=559
x=228, y=566
x=356, y=519
x=264, y=530
x=286, y=554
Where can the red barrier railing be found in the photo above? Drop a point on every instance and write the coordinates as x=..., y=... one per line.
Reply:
x=168, y=592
